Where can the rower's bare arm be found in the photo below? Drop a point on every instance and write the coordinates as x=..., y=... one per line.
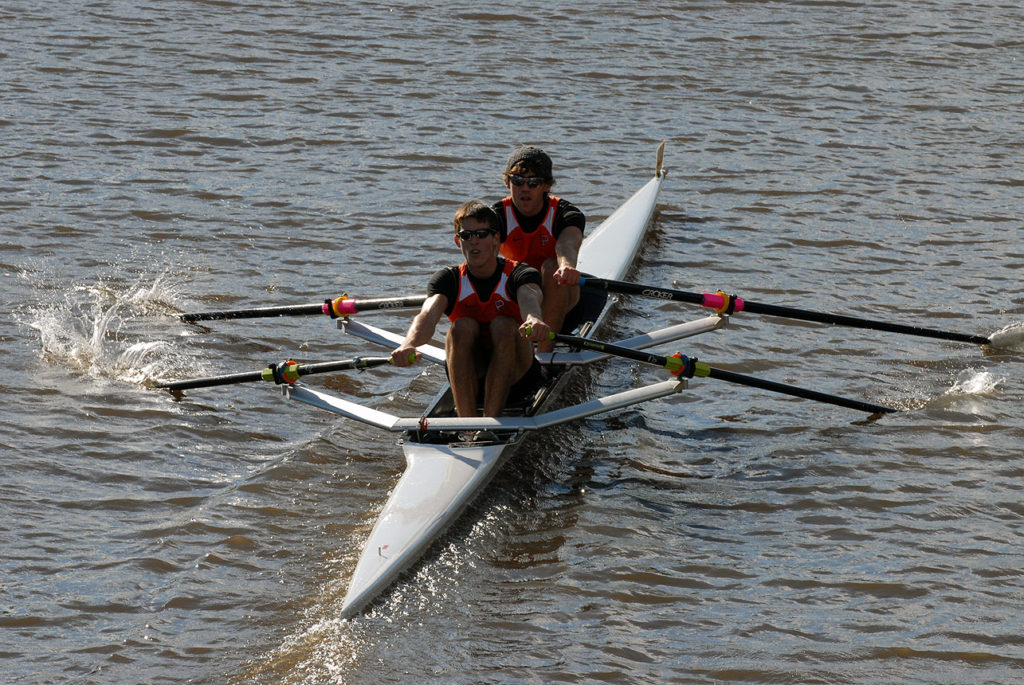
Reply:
x=421, y=330
x=567, y=251
x=530, y=297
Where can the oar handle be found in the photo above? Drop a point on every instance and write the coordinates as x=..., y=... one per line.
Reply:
x=679, y=365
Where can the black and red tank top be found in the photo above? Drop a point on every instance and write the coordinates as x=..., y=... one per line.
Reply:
x=535, y=247
x=500, y=303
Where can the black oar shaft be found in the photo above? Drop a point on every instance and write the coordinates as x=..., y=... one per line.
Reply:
x=643, y=290
x=754, y=382
x=293, y=310
x=273, y=373
x=357, y=363
x=776, y=310
x=227, y=379
x=343, y=306
x=855, y=322
x=339, y=306
x=691, y=367
x=615, y=350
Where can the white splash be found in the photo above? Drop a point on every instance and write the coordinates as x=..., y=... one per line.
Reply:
x=1009, y=338
x=74, y=334
x=158, y=297
x=87, y=330
x=135, y=365
x=974, y=382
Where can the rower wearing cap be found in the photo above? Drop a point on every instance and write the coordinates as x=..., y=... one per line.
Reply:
x=545, y=232
x=494, y=306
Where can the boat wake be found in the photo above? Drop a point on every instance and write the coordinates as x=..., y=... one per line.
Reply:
x=90, y=330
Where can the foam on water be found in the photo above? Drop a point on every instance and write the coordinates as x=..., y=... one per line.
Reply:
x=89, y=330
x=1009, y=338
x=974, y=382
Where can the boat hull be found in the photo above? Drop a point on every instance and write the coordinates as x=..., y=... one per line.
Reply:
x=439, y=482
x=441, y=479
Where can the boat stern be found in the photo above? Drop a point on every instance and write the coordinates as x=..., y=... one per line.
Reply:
x=440, y=480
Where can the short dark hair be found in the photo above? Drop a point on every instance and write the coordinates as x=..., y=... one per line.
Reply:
x=475, y=209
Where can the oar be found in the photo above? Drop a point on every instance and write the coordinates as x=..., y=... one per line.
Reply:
x=689, y=367
x=285, y=372
x=729, y=304
x=339, y=306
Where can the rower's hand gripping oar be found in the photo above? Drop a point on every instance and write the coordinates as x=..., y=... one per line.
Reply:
x=729, y=304
x=688, y=367
x=285, y=372
x=339, y=306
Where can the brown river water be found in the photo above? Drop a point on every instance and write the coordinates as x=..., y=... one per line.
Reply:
x=852, y=157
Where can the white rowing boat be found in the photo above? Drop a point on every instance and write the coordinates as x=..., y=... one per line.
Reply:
x=443, y=476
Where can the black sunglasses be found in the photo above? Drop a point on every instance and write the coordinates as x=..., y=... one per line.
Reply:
x=532, y=181
x=480, y=233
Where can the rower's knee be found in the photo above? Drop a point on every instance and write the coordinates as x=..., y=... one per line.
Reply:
x=463, y=333
x=464, y=327
x=548, y=268
x=503, y=327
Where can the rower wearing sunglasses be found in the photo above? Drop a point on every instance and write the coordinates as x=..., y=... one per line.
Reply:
x=494, y=306
x=545, y=232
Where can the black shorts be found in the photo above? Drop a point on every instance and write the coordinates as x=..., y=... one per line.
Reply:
x=573, y=317
x=587, y=308
x=525, y=387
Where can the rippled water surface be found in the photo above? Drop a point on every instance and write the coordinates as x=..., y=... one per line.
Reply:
x=162, y=157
